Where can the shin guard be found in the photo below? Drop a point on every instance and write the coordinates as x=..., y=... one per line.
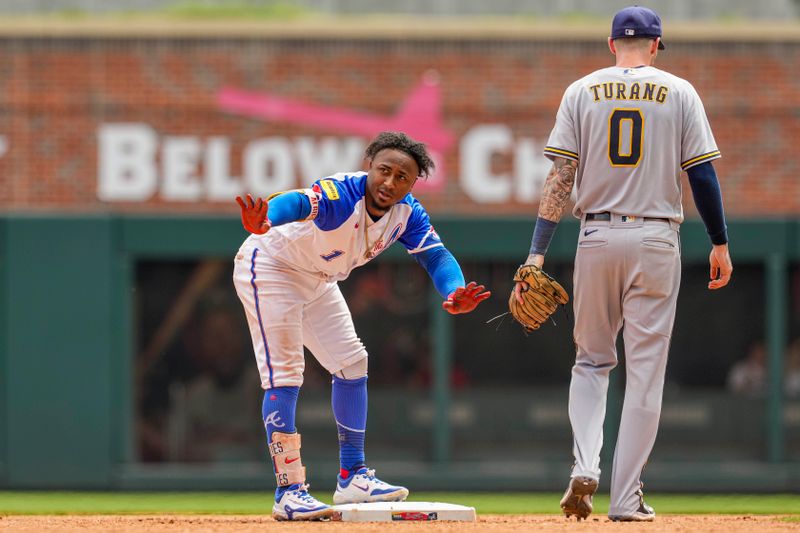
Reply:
x=284, y=448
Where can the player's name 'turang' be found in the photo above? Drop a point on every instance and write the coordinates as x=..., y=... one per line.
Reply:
x=648, y=92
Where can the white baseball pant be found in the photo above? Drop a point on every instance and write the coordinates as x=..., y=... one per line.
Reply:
x=287, y=309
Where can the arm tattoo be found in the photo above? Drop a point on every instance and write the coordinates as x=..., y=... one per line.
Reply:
x=557, y=188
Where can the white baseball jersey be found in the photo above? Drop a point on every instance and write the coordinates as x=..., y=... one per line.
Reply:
x=632, y=130
x=339, y=234
x=287, y=278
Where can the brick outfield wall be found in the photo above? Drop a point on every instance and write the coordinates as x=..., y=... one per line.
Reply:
x=55, y=94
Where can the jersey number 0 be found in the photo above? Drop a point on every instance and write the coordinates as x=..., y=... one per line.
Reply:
x=625, y=154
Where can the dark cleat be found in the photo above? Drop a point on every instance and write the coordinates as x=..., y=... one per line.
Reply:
x=577, y=499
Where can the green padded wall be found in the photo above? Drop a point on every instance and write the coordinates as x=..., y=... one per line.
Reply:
x=58, y=298
x=66, y=339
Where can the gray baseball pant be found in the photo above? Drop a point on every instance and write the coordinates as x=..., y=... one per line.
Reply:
x=627, y=272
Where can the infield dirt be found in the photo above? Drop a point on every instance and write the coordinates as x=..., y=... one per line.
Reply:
x=492, y=523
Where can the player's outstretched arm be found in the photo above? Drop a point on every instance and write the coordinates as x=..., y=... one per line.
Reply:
x=284, y=207
x=254, y=214
x=465, y=299
x=444, y=270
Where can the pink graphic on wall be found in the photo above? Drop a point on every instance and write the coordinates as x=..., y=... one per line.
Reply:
x=419, y=116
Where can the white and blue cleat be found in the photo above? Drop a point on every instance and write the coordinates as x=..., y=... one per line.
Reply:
x=297, y=504
x=364, y=487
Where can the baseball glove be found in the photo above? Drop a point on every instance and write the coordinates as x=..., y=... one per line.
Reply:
x=539, y=300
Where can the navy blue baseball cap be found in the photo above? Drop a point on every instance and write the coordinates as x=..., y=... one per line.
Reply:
x=636, y=21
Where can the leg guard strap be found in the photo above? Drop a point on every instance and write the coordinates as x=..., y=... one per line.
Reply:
x=285, y=451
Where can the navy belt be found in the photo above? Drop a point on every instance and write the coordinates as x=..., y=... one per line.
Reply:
x=606, y=216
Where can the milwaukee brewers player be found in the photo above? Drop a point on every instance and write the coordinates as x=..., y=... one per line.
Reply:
x=286, y=273
x=622, y=136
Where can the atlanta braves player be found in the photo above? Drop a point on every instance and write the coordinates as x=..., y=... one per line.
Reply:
x=622, y=135
x=303, y=242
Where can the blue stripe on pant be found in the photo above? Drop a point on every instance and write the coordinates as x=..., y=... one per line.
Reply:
x=258, y=313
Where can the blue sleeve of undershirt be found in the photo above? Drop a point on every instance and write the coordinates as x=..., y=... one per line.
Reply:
x=289, y=207
x=443, y=269
x=542, y=235
x=708, y=199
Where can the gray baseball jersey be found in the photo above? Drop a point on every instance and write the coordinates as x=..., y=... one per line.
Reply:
x=632, y=130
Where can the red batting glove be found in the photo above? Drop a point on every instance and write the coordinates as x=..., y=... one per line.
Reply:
x=254, y=215
x=465, y=299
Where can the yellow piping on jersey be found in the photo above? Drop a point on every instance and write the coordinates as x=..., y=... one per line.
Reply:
x=561, y=152
x=700, y=158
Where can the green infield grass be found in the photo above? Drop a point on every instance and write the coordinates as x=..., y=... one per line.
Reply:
x=261, y=503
